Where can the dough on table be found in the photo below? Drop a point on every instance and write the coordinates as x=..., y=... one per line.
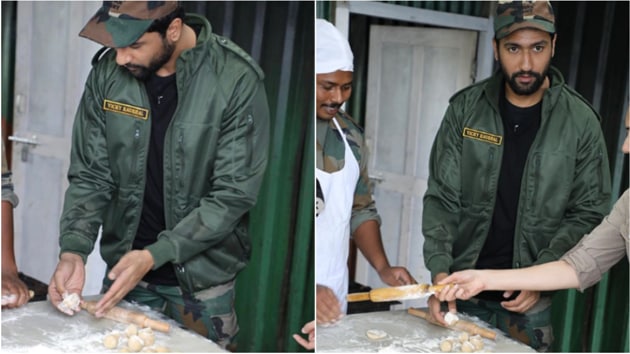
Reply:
x=375, y=334
x=131, y=330
x=477, y=342
x=468, y=347
x=135, y=343
x=147, y=336
x=110, y=341
x=446, y=346
x=463, y=337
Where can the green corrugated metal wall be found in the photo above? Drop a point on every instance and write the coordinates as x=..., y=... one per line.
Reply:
x=592, y=53
x=275, y=293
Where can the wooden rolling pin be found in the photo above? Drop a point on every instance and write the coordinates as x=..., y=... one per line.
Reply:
x=127, y=316
x=461, y=325
x=405, y=292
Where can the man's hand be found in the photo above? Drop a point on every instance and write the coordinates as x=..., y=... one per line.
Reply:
x=308, y=329
x=14, y=287
x=396, y=276
x=434, y=302
x=328, y=306
x=126, y=274
x=523, y=302
x=69, y=277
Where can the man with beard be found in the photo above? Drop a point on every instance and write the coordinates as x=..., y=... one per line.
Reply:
x=344, y=196
x=169, y=147
x=518, y=174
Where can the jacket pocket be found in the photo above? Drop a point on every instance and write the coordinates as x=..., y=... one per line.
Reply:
x=247, y=126
x=535, y=239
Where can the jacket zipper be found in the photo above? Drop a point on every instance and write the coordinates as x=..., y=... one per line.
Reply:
x=535, y=182
x=136, y=147
x=487, y=191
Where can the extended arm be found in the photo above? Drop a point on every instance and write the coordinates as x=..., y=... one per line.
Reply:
x=368, y=239
x=549, y=276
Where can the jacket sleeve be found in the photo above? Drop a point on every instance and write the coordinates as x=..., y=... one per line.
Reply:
x=606, y=245
x=238, y=172
x=590, y=194
x=441, y=203
x=90, y=180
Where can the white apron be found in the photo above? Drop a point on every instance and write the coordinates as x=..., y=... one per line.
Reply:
x=332, y=226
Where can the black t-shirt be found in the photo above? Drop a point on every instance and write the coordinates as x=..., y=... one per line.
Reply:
x=520, y=126
x=162, y=93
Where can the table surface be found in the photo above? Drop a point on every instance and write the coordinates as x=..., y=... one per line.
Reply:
x=38, y=327
x=405, y=333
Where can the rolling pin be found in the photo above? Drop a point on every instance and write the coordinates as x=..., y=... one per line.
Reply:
x=405, y=292
x=127, y=316
x=461, y=325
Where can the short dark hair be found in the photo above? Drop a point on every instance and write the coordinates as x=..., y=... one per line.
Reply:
x=161, y=24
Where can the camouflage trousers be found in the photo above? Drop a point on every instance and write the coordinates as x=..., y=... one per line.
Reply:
x=209, y=312
x=532, y=327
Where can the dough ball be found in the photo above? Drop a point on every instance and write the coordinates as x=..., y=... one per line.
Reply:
x=70, y=303
x=135, y=343
x=110, y=341
x=124, y=350
x=147, y=336
x=467, y=347
x=463, y=337
x=446, y=346
x=477, y=342
x=131, y=330
x=162, y=349
x=375, y=334
x=451, y=318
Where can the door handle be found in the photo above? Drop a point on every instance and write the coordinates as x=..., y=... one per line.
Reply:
x=376, y=178
x=19, y=139
x=28, y=143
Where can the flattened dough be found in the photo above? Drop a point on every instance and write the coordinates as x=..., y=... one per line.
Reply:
x=375, y=334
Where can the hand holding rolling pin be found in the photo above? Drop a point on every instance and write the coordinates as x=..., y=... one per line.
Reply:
x=126, y=274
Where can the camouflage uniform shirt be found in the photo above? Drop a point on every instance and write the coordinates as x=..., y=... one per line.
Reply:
x=330, y=158
x=7, y=184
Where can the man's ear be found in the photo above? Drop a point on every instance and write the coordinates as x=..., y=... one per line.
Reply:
x=174, y=30
x=495, y=48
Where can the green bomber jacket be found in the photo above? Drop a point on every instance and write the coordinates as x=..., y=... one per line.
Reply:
x=215, y=154
x=565, y=188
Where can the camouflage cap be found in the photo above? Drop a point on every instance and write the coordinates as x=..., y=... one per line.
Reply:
x=515, y=15
x=118, y=24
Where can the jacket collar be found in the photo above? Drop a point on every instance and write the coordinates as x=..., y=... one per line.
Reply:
x=493, y=89
x=190, y=59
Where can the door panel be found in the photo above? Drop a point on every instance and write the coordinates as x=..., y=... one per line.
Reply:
x=412, y=73
x=52, y=63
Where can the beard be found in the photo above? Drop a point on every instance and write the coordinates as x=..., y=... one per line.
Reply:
x=528, y=89
x=144, y=72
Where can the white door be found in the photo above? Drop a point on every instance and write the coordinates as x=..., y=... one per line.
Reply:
x=52, y=63
x=411, y=75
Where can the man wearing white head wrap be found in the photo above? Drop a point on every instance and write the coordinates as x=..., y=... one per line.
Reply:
x=333, y=50
x=345, y=206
